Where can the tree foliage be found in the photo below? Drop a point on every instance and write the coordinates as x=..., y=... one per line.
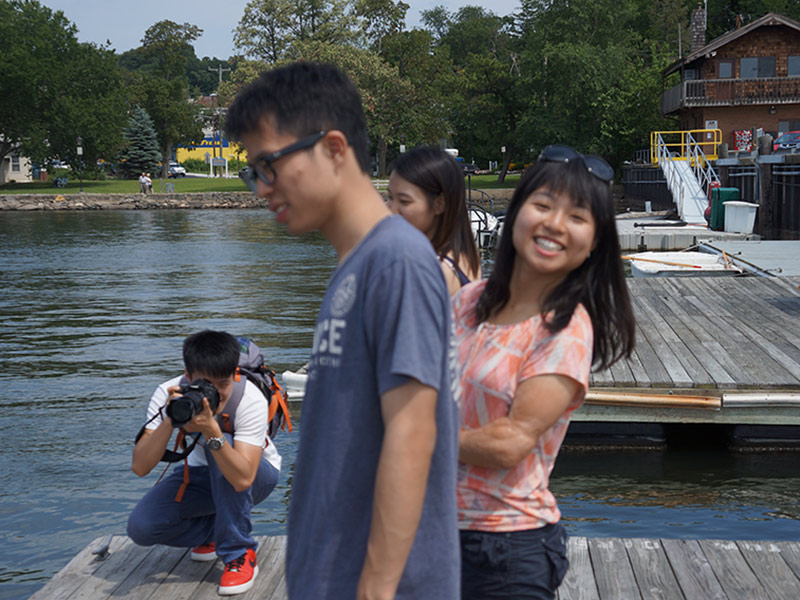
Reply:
x=165, y=42
x=54, y=89
x=161, y=87
x=269, y=29
x=587, y=73
x=141, y=153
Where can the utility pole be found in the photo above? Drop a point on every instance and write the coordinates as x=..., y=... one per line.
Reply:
x=219, y=70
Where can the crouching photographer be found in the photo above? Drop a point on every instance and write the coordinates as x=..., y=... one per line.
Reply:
x=229, y=462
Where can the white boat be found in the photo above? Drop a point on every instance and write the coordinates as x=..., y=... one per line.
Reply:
x=681, y=264
x=486, y=227
x=294, y=382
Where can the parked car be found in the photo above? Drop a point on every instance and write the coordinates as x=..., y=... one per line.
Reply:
x=176, y=170
x=787, y=142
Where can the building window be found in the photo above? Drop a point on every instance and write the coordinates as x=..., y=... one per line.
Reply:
x=762, y=66
x=793, y=66
x=689, y=74
x=15, y=163
x=724, y=68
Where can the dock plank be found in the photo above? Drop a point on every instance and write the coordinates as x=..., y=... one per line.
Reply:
x=149, y=574
x=683, y=339
x=692, y=569
x=600, y=569
x=84, y=567
x=699, y=337
x=775, y=575
x=185, y=579
x=768, y=330
x=579, y=582
x=652, y=570
x=732, y=571
x=667, y=345
x=755, y=367
x=791, y=554
x=612, y=569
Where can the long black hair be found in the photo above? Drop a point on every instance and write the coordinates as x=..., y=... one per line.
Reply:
x=599, y=283
x=437, y=173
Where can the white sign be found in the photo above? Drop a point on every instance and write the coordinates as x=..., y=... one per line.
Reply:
x=711, y=124
x=402, y=148
x=503, y=149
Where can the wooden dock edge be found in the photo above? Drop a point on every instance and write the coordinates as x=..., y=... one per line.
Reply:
x=600, y=568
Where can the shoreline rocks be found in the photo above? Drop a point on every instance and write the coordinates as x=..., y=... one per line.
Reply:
x=29, y=202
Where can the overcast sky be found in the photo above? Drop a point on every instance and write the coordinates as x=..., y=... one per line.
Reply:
x=123, y=22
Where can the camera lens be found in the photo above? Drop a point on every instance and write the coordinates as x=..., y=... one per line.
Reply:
x=181, y=410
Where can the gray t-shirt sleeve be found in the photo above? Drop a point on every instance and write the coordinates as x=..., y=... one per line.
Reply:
x=406, y=320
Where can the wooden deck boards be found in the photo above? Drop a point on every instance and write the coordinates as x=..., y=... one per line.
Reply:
x=600, y=569
x=712, y=333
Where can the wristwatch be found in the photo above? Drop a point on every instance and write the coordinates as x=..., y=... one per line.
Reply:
x=215, y=443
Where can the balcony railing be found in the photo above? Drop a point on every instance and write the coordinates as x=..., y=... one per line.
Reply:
x=731, y=92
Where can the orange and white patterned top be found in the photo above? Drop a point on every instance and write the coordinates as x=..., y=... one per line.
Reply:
x=494, y=359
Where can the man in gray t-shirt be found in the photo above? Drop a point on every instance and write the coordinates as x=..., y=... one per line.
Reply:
x=373, y=507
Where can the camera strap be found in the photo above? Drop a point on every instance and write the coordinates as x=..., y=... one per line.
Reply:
x=171, y=456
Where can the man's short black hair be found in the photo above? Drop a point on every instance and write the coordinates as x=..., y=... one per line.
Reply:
x=302, y=98
x=213, y=353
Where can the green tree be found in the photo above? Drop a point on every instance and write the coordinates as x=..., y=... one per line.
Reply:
x=166, y=42
x=594, y=80
x=269, y=29
x=201, y=79
x=162, y=89
x=141, y=153
x=381, y=19
x=394, y=108
x=488, y=97
x=54, y=89
x=388, y=100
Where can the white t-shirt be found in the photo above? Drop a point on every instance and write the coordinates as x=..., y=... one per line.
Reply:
x=251, y=423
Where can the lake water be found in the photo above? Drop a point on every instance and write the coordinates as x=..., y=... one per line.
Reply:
x=93, y=309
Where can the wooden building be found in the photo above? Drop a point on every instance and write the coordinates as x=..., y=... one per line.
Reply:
x=745, y=80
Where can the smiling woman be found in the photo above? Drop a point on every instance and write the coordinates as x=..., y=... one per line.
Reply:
x=555, y=303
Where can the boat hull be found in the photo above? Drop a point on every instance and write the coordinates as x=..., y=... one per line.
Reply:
x=680, y=264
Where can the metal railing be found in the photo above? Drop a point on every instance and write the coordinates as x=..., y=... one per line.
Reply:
x=667, y=147
x=683, y=145
x=731, y=92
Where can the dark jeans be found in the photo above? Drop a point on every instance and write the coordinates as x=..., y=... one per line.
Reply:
x=519, y=564
x=211, y=510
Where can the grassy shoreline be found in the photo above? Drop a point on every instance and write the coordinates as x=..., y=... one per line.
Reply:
x=186, y=185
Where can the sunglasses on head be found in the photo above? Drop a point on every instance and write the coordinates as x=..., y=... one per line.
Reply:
x=564, y=154
x=262, y=167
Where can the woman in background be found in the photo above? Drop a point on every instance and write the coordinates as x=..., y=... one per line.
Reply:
x=555, y=304
x=426, y=187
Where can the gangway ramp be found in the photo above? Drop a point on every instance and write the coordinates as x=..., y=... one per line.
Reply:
x=687, y=169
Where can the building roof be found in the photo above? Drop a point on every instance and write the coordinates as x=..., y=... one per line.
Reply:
x=769, y=19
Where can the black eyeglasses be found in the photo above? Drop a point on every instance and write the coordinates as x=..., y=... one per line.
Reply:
x=594, y=164
x=262, y=164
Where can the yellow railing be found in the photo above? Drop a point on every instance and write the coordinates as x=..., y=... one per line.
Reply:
x=680, y=144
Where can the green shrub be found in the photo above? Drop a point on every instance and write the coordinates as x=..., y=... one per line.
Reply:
x=195, y=165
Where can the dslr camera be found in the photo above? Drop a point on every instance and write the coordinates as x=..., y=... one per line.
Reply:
x=182, y=409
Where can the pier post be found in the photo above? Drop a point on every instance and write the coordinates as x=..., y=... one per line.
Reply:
x=766, y=202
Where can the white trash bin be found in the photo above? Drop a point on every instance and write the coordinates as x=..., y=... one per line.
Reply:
x=739, y=216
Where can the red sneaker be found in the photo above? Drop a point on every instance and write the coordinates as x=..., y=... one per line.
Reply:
x=239, y=575
x=204, y=553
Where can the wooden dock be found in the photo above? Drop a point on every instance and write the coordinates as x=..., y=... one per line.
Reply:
x=600, y=569
x=702, y=343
